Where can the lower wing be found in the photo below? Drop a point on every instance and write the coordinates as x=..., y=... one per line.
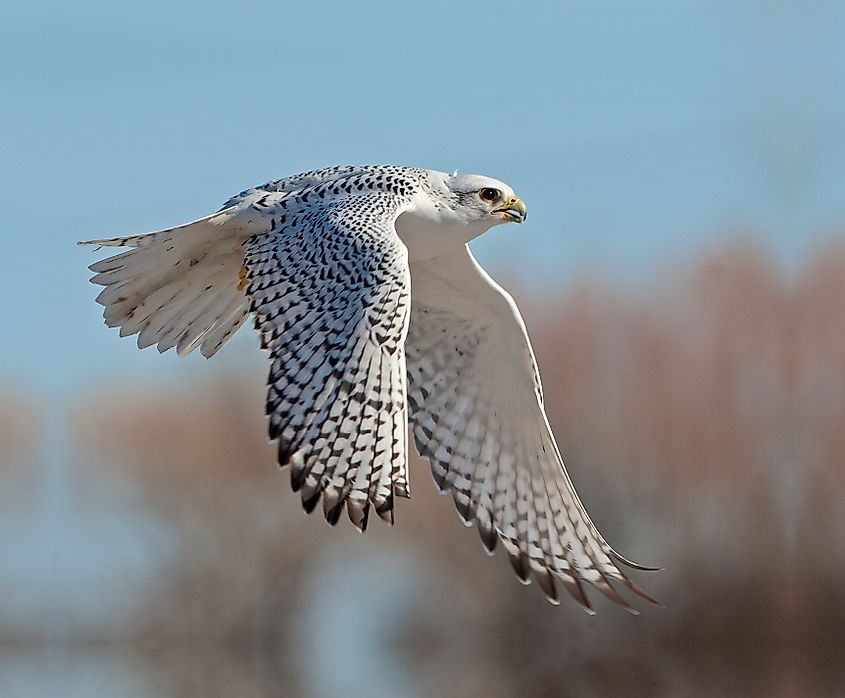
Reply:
x=476, y=411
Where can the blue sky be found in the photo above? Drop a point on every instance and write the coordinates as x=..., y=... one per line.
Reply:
x=636, y=132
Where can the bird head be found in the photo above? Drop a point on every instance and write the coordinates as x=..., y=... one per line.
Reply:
x=484, y=199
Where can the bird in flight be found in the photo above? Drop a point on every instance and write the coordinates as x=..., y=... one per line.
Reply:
x=378, y=320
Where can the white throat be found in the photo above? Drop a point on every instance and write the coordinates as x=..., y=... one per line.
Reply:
x=429, y=231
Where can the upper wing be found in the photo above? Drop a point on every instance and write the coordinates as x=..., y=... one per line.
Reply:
x=330, y=289
x=317, y=259
x=476, y=411
x=305, y=180
x=182, y=287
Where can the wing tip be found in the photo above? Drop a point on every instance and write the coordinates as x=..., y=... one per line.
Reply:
x=545, y=580
x=358, y=513
x=385, y=510
x=576, y=590
x=606, y=589
x=333, y=503
x=310, y=503
x=633, y=565
x=521, y=566
x=640, y=592
x=489, y=539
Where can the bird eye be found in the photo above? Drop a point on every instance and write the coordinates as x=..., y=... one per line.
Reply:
x=489, y=195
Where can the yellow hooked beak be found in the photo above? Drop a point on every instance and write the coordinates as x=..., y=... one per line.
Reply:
x=513, y=210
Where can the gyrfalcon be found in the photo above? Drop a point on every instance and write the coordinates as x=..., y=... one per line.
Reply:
x=377, y=318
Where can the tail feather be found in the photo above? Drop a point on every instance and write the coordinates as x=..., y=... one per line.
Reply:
x=230, y=322
x=177, y=287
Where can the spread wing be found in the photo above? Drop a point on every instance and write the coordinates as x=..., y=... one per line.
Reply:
x=476, y=411
x=330, y=289
x=317, y=260
x=180, y=287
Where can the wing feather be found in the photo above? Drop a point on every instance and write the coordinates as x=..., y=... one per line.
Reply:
x=176, y=286
x=476, y=412
x=330, y=291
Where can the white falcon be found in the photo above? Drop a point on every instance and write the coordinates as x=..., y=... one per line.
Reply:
x=377, y=318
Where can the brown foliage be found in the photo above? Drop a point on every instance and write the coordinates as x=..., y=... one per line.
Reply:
x=16, y=428
x=18, y=423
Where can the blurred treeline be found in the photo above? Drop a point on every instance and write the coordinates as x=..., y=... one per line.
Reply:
x=18, y=428
x=702, y=418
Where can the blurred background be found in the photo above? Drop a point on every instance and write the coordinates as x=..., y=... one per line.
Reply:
x=682, y=275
